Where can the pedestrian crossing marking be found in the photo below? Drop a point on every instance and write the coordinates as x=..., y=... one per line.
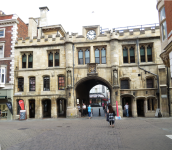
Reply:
x=169, y=136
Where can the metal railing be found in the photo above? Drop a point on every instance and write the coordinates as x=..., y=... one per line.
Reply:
x=141, y=27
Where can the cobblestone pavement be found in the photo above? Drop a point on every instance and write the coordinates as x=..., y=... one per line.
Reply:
x=85, y=134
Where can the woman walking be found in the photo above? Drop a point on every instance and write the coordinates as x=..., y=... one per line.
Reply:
x=111, y=115
x=89, y=111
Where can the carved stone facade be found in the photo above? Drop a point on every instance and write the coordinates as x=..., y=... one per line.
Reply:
x=84, y=63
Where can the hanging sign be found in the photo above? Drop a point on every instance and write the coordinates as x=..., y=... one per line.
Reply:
x=9, y=105
x=21, y=103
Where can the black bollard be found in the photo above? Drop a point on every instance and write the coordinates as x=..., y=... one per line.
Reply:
x=99, y=112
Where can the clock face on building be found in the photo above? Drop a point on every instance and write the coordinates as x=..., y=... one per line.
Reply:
x=91, y=35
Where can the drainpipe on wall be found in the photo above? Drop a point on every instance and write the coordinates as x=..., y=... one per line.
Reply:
x=168, y=93
x=157, y=93
x=73, y=75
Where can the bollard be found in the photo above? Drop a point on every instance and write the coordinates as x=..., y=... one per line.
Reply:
x=99, y=112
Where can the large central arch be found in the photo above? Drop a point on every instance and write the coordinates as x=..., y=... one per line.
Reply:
x=84, y=85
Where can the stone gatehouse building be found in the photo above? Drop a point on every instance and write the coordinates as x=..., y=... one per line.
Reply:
x=54, y=69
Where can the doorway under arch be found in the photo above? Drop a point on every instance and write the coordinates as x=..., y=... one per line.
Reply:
x=61, y=108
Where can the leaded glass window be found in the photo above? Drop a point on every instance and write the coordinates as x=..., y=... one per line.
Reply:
x=97, y=56
x=125, y=55
x=20, y=84
x=149, y=83
x=149, y=53
x=87, y=56
x=46, y=83
x=132, y=55
x=124, y=84
x=32, y=84
x=80, y=57
x=61, y=82
x=30, y=61
x=103, y=56
x=56, y=59
x=50, y=60
x=142, y=54
x=24, y=61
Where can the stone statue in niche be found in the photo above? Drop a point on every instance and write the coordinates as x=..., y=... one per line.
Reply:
x=115, y=77
x=69, y=78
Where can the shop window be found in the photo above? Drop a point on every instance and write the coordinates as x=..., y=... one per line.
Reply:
x=1, y=51
x=142, y=54
x=50, y=60
x=149, y=53
x=124, y=84
x=61, y=82
x=20, y=84
x=97, y=56
x=57, y=59
x=149, y=83
x=24, y=61
x=30, y=61
x=32, y=84
x=80, y=57
x=46, y=83
x=87, y=56
x=125, y=55
x=18, y=108
x=103, y=56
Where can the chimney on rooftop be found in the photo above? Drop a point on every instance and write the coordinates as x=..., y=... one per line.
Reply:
x=43, y=16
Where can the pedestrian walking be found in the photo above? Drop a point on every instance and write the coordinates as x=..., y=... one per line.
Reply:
x=0, y=113
x=126, y=109
x=111, y=115
x=89, y=111
x=84, y=109
x=105, y=110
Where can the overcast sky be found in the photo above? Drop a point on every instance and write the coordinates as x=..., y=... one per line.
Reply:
x=73, y=14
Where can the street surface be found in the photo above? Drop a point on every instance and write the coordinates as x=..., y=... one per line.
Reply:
x=86, y=134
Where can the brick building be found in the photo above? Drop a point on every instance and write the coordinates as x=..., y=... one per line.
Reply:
x=164, y=8
x=11, y=27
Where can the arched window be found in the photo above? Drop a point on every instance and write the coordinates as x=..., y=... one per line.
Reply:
x=30, y=61
x=125, y=84
x=125, y=55
x=97, y=56
x=132, y=55
x=50, y=60
x=80, y=57
x=142, y=54
x=149, y=53
x=56, y=59
x=46, y=83
x=24, y=61
x=103, y=56
x=32, y=84
x=61, y=82
x=87, y=56
x=20, y=84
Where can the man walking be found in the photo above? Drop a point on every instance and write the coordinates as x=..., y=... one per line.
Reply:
x=126, y=109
